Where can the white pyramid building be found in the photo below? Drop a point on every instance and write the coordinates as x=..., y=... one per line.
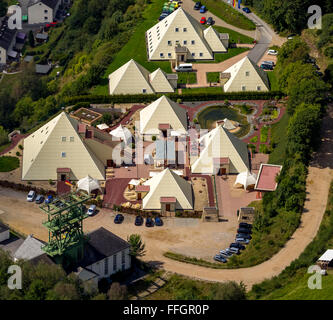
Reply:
x=181, y=29
x=213, y=39
x=132, y=78
x=55, y=145
x=245, y=75
x=162, y=111
x=168, y=184
x=219, y=144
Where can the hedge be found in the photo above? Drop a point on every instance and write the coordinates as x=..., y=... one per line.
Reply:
x=26, y=188
x=142, y=98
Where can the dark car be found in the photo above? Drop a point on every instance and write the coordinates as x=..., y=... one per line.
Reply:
x=245, y=225
x=210, y=21
x=158, y=222
x=197, y=6
x=237, y=246
x=149, y=222
x=119, y=218
x=49, y=199
x=219, y=258
x=138, y=221
x=243, y=235
x=246, y=10
x=39, y=199
x=244, y=230
x=266, y=67
x=162, y=16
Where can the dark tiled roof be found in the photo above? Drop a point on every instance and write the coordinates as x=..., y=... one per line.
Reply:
x=44, y=258
x=6, y=36
x=50, y=3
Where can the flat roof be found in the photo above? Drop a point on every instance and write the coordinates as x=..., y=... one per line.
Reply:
x=168, y=199
x=327, y=256
x=266, y=177
x=142, y=188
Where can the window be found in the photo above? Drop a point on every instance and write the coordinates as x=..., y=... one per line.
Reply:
x=144, y=90
x=169, y=43
x=193, y=54
x=63, y=139
x=45, y=11
x=106, y=266
x=184, y=29
x=243, y=88
x=258, y=88
x=185, y=42
x=176, y=29
x=200, y=54
x=71, y=139
x=115, y=262
x=192, y=42
x=169, y=55
x=161, y=54
x=63, y=154
x=45, y=18
x=247, y=73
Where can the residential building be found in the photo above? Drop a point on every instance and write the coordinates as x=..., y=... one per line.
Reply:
x=64, y=149
x=161, y=117
x=167, y=191
x=221, y=153
x=132, y=78
x=7, y=43
x=31, y=248
x=4, y=232
x=180, y=37
x=40, y=11
x=245, y=75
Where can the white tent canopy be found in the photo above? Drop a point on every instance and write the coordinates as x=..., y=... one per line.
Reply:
x=246, y=179
x=227, y=124
x=134, y=182
x=88, y=184
x=122, y=132
x=102, y=126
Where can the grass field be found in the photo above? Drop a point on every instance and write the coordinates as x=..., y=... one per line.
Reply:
x=9, y=163
x=234, y=36
x=273, y=80
x=264, y=134
x=202, y=90
x=213, y=76
x=228, y=14
x=4, y=146
x=136, y=47
x=187, y=77
x=279, y=137
x=219, y=57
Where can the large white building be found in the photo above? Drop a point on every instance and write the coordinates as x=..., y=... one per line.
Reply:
x=221, y=153
x=245, y=75
x=180, y=37
x=40, y=11
x=132, y=78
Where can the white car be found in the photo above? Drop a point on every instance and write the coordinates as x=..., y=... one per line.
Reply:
x=91, y=210
x=31, y=196
x=272, y=52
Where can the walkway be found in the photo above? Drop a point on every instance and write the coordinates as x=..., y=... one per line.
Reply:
x=15, y=140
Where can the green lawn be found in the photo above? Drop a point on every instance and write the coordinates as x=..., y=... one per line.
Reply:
x=202, y=90
x=234, y=36
x=4, y=146
x=187, y=77
x=136, y=48
x=254, y=139
x=279, y=140
x=219, y=57
x=213, y=76
x=9, y=163
x=227, y=13
x=273, y=80
x=264, y=134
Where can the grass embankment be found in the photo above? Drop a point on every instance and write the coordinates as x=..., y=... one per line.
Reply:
x=228, y=14
x=187, y=77
x=292, y=282
x=234, y=36
x=273, y=80
x=9, y=163
x=4, y=146
x=136, y=47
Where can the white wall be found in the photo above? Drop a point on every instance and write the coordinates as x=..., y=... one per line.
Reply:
x=99, y=267
x=4, y=235
x=37, y=14
x=3, y=56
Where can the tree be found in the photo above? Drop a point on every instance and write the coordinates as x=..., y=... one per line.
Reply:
x=3, y=136
x=63, y=291
x=117, y=292
x=230, y=291
x=137, y=246
x=3, y=8
x=31, y=39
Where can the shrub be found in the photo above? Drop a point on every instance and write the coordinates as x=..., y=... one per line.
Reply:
x=18, y=154
x=20, y=147
x=153, y=138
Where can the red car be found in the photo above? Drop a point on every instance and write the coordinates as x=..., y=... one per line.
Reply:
x=53, y=24
x=203, y=20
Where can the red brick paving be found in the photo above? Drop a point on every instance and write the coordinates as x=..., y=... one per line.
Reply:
x=62, y=188
x=15, y=140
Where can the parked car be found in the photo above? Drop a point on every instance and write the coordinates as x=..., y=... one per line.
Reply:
x=162, y=16
x=197, y=5
x=272, y=52
x=242, y=240
x=210, y=21
x=119, y=218
x=39, y=199
x=203, y=9
x=149, y=222
x=244, y=235
x=203, y=20
x=246, y=10
x=244, y=230
x=91, y=210
x=271, y=63
x=291, y=36
x=138, y=221
x=237, y=245
x=266, y=66
x=225, y=253
x=219, y=258
x=31, y=196
x=158, y=222
x=184, y=67
x=233, y=250
x=49, y=199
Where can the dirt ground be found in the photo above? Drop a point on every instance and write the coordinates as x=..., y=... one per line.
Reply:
x=200, y=193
